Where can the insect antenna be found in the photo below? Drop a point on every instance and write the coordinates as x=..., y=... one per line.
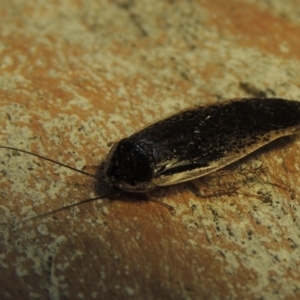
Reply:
x=50, y=160
x=52, y=212
x=109, y=192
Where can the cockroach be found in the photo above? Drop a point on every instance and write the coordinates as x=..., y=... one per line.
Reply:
x=192, y=143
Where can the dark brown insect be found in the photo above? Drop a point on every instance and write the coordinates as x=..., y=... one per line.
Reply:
x=198, y=141
x=192, y=143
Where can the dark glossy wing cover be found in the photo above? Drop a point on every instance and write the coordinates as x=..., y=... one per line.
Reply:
x=204, y=136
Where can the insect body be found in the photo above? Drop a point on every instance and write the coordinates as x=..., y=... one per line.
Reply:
x=198, y=141
x=193, y=143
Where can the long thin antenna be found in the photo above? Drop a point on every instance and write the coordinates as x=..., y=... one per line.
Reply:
x=60, y=209
x=51, y=160
x=68, y=167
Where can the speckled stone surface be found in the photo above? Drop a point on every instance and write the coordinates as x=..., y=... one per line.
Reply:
x=76, y=75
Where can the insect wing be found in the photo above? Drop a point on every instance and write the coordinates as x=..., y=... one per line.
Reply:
x=199, y=141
